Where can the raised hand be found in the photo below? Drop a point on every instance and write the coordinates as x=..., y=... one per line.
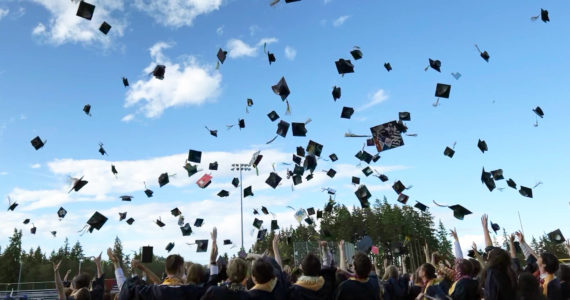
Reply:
x=214, y=234
x=112, y=256
x=453, y=233
x=341, y=244
x=511, y=239
x=520, y=236
x=484, y=219
x=97, y=259
x=56, y=266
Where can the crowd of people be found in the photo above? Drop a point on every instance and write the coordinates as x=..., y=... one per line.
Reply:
x=494, y=274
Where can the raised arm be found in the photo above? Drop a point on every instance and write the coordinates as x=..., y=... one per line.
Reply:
x=119, y=274
x=477, y=256
x=512, y=249
x=151, y=276
x=276, y=254
x=456, y=246
x=342, y=258
x=326, y=254
x=526, y=249
x=214, y=253
x=97, y=261
x=66, y=275
x=488, y=242
x=58, y=282
x=426, y=253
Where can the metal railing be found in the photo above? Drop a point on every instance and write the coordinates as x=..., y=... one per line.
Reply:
x=43, y=285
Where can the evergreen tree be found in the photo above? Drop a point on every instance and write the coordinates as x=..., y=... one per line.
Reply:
x=76, y=252
x=10, y=260
x=118, y=250
x=444, y=245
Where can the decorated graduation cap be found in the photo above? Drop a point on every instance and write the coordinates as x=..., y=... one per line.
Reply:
x=347, y=112
x=78, y=184
x=204, y=181
x=61, y=213
x=556, y=236
x=159, y=72
x=387, y=136
x=344, y=66
x=336, y=92
x=85, y=10
x=96, y=221
x=482, y=145
x=105, y=28
x=281, y=89
x=186, y=230
x=388, y=66
x=363, y=195
x=37, y=143
x=314, y=148
x=484, y=54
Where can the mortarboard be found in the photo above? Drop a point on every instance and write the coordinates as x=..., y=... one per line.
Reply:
x=191, y=169
x=274, y=225
x=309, y=220
x=37, y=143
x=314, y=148
x=122, y=216
x=273, y=116
x=497, y=174
x=333, y=157
x=159, y=72
x=223, y=193
x=344, y=66
x=163, y=179
x=367, y=171
x=376, y=157
x=435, y=64
x=526, y=192
x=125, y=82
x=495, y=227
x=282, y=128
x=356, y=53
x=53, y=233
x=195, y=156
x=281, y=89
x=85, y=10
x=310, y=211
x=329, y=206
x=404, y=116
x=126, y=198
x=78, y=184
x=114, y=170
x=538, y=111
x=488, y=180
x=264, y=210
x=146, y=255
x=364, y=244
x=482, y=146
x=456, y=75
x=102, y=150
x=403, y=198
x=105, y=27
x=33, y=230
x=556, y=236
x=186, y=229
x=130, y=221
x=241, y=123
x=383, y=177
x=235, y=182
x=213, y=133
x=176, y=212
x=256, y=159
x=296, y=159
x=544, y=15
x=442, y=90
x=222, y=55
x=169, y=247
x=61, y=213
x=26, y=221
x=148, y=193
x=96, y=221
x=347, y=112
x=247, y=192
x=257, y=223
x=273, y=180
x=12, y=205
x=331, y=173
x=198, y=222
x=421, y=206
x=255, y=212
x=271, y=57
x=310, y=163
x=261, y=234
x=300, y=151
x=319, y=214
x=227, y=242
x=355, y=180
x=485, y=55
x=249, y=102
x=364, y=156
x=201, y=245
x=298, y=129
x=297, y=179
x=459, y=211
x=512, y=183
x=363, y=195
x=336, y=92
x=87, y=109
x=388, y=67
x=449, y=152
x=213, y=166
x=398, y=187
x=309, y=177
x=204, y=181
x=159, y=222
x=387, y=136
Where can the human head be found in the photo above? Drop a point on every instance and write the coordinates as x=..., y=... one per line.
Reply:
x=311, y=265
x=362, y=265
x=564, y=273
x=174, y=265
x=499, y=259
x=548, y=263
x=464, y=267
x=391, y=272
x=81, y=294
x=195, y=274
x=81, y=281
x=476, y=267
x=262, y=271
x=237, y=270
x=427, y=272
x=528, y=287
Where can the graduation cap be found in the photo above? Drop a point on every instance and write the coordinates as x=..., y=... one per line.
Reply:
x=61, y=213
x=186, y=229
x=235, y=182
x=300, y=151
x=114, y=170
x=388, y=67
x=449, y=152
x=213, y=166
x=544, y=15
x=169, y=247
x=297, y=159
x=310, y=163
x=538, y=111
x=78, y=184
x=459, y=211
x=125, y=82
x=12, y=206
x=512, y=183
x=299, y=129
x=383, y=177
x=495, y=227
x=420, y=206
x=198, y=222
x=347, y=112
x=309, y=221
x=201, y=246
x=442, y=90
x=282, y=128
x=309, y=177
x=195, y=156
x=310, y=211
x=204, y=181
x=319, y=214
x=241, y=123
x=398, y=187
x=404, y=116
x=223, y=193
x=126, y=198
x=146, y=255
x=102, y=150
x=356, y=53
x=264, y=210
x=314, y=148
x=376, y=157
x=273, y=180
x=273, y=116
x=26, y=221
x=456, y=75
x=85, y=10
x=222, y=55
x=87, y=109
x=37, y=143
x=176, y=212
x=333, y=157
x=213, y=133
x=364, y=156
x=105, y=27
x=130, y=221
x=297, y=179
x=281, y=89
x=526, y=192
x=163, y=179
x=344, y=66
x=363, y=195
x=274, y=225
x=482, y=145
x=271, y=57
x=488, y=180
x=227, y=242
x=255, y=212
x=485, y=55
x=96, y=221
x=387, y=136
x=336, y=92
x=355, y=180
x=191, y=169
x=257, y=223
x=159, y=72
x=556, y=236
x=497, y=174
x=247, y=192
x=122, y=216
x=53, y=233
x=435, y=64
x=331, y=173
x=329, y=206
x=261, y=234
x=33, y=230
x=367, y=171
x=403, y=198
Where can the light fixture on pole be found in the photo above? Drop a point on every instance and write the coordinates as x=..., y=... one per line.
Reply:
x=241, y=168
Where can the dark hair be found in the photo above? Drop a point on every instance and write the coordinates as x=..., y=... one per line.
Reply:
x=237, y=270
x=500, y=260
x=340, y=277
x=476, y=267
x=262, y=271
x=550, y=262
x=362, y=265
x=295, y=274
x=528, y=287
x=564, y=273
x=429, y=270
x=81, y=281
x=173, y=263
x=465, y=267
x=311, y=265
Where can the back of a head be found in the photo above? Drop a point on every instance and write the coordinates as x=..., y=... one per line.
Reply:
x=81, y=281
x=311, y=265
x=391, y=272
x=262, y=271
x=362, y=265
x=564, y=273
x=237, y=270
x=429, y=270
x=195, y=274
x=465, y=267
x=528, y=287
x=82, y=294
x=476, y=267
x=174, y=264
x=551, y=263
x=499, y=259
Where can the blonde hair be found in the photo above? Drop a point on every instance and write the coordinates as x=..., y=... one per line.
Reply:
x=237, y=270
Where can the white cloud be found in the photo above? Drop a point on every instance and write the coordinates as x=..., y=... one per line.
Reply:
x=290, y=53
x=184, y=83
x=3, y=173
x=378, y=97
x=220, y=31
x=65, y=27
x=128, y=118
x=177, y=13
x=36, y=166
x=238, y=48
x=340, y=20
x=3, y=13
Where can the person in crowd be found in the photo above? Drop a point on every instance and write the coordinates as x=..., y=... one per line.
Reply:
x=264, y=279
x=528, y=288
x=119, y=274
x=564, y=277
x=548, y=265
x=500, y=280
x=77, y=294
x=393, y=288
x=311, y=285
x=234, y=286
x=416, y=286
x=464, y=287
x=360, y=286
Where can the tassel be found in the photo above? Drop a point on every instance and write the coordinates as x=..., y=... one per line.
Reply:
x=288, y=111
x=217, y=65
x=436, y=103
x=271, y=140
x=274, y=2
x=537, y=184
x=309, y=120
x=229, y=126
x=265, y=48
x=273, y=166
x=534, y=18
x=350, y=134
x=439, y=204
x=256, y=171
x=412, y=134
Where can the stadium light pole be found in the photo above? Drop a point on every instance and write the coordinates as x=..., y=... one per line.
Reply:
x=241, y=167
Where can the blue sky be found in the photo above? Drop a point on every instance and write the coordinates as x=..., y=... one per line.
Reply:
x=52, y=63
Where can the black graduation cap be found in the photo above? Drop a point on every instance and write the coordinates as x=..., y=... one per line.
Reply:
x=282, y=128
x=526, y=192
x=223, y=193
x=12, y=206
x=114, y=170
x=435, y=64
x=26, y=221
x=241, y=123
x=53, y=233
x=297, y=159
x=227, y=242
x=146, y=255
x=333, y=157
x=482, y=146
x=309, y=177
x=61, y=213
x=298, y=129
x=512, y=183
x=314, y=148
x=87, y=109
x=213, y=166
x=159, y=72
x=329, y=206
x=310, y=211
x=37, y=143
x=347, y=112
x=442, y=90
x=33, y=230
x=376, y=157
x=273, y=180
x=222, y=55
x=344, y=66
x=78, y=184
x=298, y=170
x=367, y=171
x=130, y=221
x=356, y=53
x=122, y=216
x=213, y=133
x=257, y=223
x=403, y=198
x=125, y=82
x=495, y=227
x=195, y=156
x=300, y=151
x=556, y=236
x=163, y=179
x=264, y=210
x=261, y=234
x=126, y=198
x=497, y=174
x=398, y=187
x=404, y=116
x=274, y=225
x=159, y=222
x=488, y=180
x=319, y=214
x=310, y=163
x=331, y=173
x=538, y=111
x=421, y=206
x=459, y=211
x=169, y=247
x=484, y=54
x=383, y=177
x=102, y=150
x=363, y=195
x=273, y=116
x=355, y=180
x=85, y=10
x=364, y=156
x=255, y=212
x=235, y=182
x=544, y=15
x=449, y=152
x=247, y=192
x=336, y=92
x=281, y=89
x=105, y=27
x=198, y=222
x=186, y=230
x=388, y=67
x=96, y=221
x=297, y=179
x=271, y=57
x=176, y=212
x=191, y=169
x=309, y=221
